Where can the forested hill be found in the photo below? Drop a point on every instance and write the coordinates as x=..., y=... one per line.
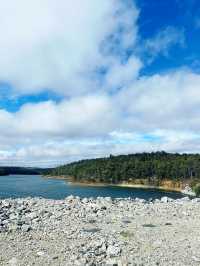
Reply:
x=9, y=170
x=153, y=167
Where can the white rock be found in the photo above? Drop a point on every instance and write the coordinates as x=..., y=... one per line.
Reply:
x=25, y=227
x=185, y=199
x=196, y=200
x=13, y=262
x=32, y=215
x=111, y=262
x=113, y=251
x=84, y=200
x=80, y=262
x=70, y=198
x=40, y=253
x=157, y=201
x=109, y=199
x=142, y=200
x=166, y=199
x=196, y=259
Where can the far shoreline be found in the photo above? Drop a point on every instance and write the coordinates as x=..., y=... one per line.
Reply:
x=125, y=185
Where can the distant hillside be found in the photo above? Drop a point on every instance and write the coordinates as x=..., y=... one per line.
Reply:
x=142, y=168
x=9, y=170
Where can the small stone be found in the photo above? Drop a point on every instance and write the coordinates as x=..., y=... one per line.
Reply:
x=108, y=199
x=168, y=224
x=13, y=227
x=103, y=248
x=13, y=262
x=157, y=243
x=185, y=199
x=149, y=225
x=92, y=221
x=25, y=228
x=195, y=200
x=111, y=262
x=126, y=220
x=91, y=230
x=196, y=259
x=157, y=201
x=80, y=262
x=166, y=199
x=5, y=203
x=70, y=198
x=13, y=216
x=113, y=251
x=84, y=200
x=32, y=215
x=140, y=200
x=40, y=253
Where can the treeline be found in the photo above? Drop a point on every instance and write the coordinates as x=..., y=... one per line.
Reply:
x=150, y=166
x=9, y=170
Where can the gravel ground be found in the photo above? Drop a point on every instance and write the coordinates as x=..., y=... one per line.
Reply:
x=102, y=231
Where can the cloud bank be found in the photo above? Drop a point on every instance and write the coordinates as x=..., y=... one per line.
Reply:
x=89, y=53
x=59, y=45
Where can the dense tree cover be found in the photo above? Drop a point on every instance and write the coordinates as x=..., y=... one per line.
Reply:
x=2, y=172
x=9, y=170
x=151, y=166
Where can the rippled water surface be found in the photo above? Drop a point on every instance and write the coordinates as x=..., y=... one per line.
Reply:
x=16, y=186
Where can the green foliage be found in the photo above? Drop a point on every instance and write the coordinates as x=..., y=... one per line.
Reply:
x=196, y=189
x=152, y=167
x=10, y=170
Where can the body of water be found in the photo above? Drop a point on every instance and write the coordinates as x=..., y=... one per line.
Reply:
x=17, y=186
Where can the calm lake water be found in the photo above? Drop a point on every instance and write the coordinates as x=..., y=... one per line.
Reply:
x=15, y=186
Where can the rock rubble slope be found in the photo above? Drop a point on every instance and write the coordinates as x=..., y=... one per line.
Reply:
x=102, y=231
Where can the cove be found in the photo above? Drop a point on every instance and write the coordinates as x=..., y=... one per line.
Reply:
x=21, y=186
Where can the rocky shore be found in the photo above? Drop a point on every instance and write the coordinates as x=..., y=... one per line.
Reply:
x=102, y=231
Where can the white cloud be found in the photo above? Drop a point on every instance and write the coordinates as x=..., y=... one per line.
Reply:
x=85, y=116
x=122, y=74
x=58, y=152
x=58, y=45
x=159, y=112
x=162, y=101
x=162, y=42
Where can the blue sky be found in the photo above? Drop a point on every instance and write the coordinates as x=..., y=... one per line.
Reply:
x=81, y=80
x=183, y=15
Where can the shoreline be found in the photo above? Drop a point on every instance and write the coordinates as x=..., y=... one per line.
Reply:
x=70, y=181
